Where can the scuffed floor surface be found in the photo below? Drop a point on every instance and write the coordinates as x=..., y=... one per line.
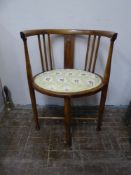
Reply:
x=25, y=151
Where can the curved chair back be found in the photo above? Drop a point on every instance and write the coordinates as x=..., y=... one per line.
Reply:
x=44, y=37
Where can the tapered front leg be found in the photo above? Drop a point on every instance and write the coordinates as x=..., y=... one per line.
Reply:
x=34, y=107
x=101, y=107
x=67, y=120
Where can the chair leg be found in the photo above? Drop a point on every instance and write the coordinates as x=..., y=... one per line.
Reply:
x=67, y=120
x=101, y=108
x=34, y=107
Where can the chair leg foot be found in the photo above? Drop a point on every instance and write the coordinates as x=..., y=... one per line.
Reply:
x=101, y=108
x=37, y=127
x=67, y=121
x=68, y=139
x=98, y=128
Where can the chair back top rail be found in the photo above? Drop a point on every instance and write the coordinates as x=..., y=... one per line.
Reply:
x=109, y=34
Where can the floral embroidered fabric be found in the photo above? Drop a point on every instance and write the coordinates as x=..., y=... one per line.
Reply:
x=67, y=80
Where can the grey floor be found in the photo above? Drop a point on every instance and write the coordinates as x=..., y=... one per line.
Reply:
x=23, y=150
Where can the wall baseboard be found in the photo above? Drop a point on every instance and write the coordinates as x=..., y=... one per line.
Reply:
x=28, y=106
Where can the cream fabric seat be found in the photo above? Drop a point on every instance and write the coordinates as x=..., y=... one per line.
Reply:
x=67, y=80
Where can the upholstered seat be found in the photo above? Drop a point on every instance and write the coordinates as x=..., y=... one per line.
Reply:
x=67, y=80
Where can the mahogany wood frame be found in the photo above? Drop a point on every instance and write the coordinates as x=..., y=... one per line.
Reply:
x=90, y=62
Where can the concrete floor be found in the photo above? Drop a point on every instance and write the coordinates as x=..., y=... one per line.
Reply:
x=23, y=150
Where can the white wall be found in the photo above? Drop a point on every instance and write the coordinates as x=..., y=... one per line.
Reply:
x=1, y=98
x=17, y=15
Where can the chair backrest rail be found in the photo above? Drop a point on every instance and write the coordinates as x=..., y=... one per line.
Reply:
x=96, y=53
x=46, y=59
x=93, y=49
x=68, y=51
x=87, y=51
x=50, y=55
x=41, y=54
x=45, y=53
x=92, y=52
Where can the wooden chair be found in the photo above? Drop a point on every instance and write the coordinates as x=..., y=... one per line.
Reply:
x=68, y=82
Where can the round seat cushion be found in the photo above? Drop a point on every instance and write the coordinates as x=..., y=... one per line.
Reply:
x=67, y=80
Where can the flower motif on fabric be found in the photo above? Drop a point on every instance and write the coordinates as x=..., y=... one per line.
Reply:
x=83, y=74
x=67, y=89
x=48, y=78
x=58, y=73
x=70, y=73
x=51, y=88
x=61, y=79
x=76, y=81
x=91, y=83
